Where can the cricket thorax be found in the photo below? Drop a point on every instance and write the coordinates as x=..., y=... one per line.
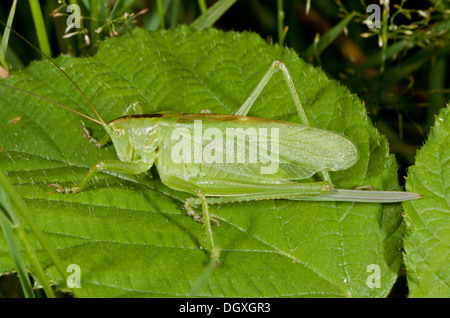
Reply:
x=137, y=137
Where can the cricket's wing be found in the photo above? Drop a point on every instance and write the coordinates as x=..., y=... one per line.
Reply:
x=316, y=149
x=269, y=149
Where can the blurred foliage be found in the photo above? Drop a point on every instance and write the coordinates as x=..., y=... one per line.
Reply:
x=398, y=70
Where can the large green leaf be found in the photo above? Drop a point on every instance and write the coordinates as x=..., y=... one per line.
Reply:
x=130, y=236
x=428, y=233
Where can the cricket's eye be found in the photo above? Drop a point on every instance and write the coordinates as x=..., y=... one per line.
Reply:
x=118, y=132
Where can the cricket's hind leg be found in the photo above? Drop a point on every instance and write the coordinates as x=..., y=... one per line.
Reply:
x=276, y=65
x=247, y=105
x=288, y=190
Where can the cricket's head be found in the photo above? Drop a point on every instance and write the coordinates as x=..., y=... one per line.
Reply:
x=134, y=135
x=119, y=131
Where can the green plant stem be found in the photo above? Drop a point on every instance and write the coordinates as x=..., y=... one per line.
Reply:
x=5, y=39
x=15, y=203
x=6, y=227
x=40, y=27
x=162, y=23
x=203, y=6
x=281, y=31
x=325, y=40
x=38, y=270
x=175, y=8
x=437, y=78
x=94, y=23
x=213, y=14
x=385, y=39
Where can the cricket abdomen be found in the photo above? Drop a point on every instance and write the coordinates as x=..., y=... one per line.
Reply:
x=202, y=152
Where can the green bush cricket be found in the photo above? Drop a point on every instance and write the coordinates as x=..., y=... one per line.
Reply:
x=142, y=140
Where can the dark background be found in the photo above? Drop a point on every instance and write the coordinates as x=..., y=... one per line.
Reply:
x=403, y=82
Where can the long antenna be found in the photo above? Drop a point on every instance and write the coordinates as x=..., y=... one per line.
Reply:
x=52, y=101
x=101, y=122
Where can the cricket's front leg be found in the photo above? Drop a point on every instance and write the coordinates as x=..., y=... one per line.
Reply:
x=100, y=143
x=107, y=165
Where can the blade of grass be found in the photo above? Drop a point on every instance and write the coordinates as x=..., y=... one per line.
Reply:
x=38, y=270
x=391, y=51
x=405, y=44
x=317, y=48
x=213, y=14
x=12, y=59
x=40, y=27
x=203, y=6
x=120, y=7
x=5, y=39
x=13, y=203
x=383, y=41
x=77, y=41
x=174, y=9
x=94, y=22
x=6, y=225
x=414, y=62
x=281, y=30
x=102, y=8
x=437, y=79
x=87, y=4
x=162, y=23
x=153, y=22
x=10, y=224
